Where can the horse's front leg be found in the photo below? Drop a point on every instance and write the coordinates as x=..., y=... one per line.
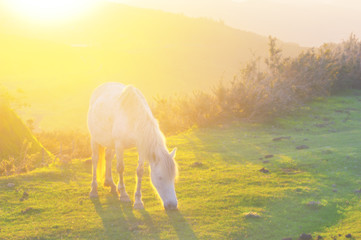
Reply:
x=138, y=203
x=120, y=168
x=109, y=154
x=95, y=158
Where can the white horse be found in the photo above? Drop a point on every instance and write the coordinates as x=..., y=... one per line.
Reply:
x=120, y=118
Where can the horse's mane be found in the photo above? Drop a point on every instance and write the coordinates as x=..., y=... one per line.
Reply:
x=150, y=140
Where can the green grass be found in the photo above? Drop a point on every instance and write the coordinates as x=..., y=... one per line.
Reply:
x=219, y=183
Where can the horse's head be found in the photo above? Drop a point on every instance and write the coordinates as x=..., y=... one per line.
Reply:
x=163, y=174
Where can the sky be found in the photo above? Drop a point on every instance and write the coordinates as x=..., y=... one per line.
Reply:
x=306, y=22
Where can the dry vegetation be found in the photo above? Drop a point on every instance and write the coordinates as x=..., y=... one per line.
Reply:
x=66, y=145
x=262, y=93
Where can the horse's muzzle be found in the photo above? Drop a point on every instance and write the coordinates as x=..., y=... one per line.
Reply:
x=171, y=206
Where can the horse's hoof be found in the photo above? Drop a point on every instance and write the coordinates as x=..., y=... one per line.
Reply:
x=138, y=205
x=124, y=199
x=109, y=184
x=113, y=191
x=93, y=194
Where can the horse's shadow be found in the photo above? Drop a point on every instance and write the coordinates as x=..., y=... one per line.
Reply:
x=119, y=221
x=181, y=226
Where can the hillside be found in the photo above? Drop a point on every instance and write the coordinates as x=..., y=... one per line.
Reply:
x=299, y=174
x=19, y=149
x=160, y=53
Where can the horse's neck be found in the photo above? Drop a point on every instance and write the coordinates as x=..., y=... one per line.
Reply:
x=149, y=139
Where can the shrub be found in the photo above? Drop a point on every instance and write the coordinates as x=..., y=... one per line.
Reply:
x=260, y=94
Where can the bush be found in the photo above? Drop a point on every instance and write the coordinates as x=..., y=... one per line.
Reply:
x=261, y=94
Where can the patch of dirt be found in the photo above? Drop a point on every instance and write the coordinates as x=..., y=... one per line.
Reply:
x=269, y=156
x=290, y=171
x=302, y=147
x=342, y=111
x=11, y=185
x=327, y=151
x=197, y=164
x=26, y=210
x=321, y=125
x=326, y=119
x=314, y=204
x=263, y=170
x=305, y=236
x=281, y=138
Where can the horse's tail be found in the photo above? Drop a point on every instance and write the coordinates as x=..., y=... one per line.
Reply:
x=101, y=164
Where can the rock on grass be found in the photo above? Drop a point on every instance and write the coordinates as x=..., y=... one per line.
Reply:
x=24, y=197
x=11, y=185
x=251, y=215
x=313, y=203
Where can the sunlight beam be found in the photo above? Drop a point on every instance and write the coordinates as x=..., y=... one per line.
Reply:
x=50, y=10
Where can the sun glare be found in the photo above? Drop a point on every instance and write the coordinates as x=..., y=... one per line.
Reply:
x=50, y=10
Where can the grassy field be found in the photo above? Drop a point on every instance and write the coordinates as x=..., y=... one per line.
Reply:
x=221, y=191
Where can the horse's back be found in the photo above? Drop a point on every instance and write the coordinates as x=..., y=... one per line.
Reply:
x=111, y=88
x=113, y=110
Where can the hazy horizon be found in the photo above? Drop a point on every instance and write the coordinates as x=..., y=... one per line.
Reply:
x=308, y=23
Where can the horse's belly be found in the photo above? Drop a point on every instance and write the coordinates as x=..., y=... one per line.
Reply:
x=101, y=122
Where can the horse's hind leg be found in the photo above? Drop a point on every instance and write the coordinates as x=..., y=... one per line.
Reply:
x=120, y=168
x=95, y=158
x=109, y=154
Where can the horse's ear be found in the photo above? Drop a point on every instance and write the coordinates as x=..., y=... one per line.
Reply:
x=172, y=154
